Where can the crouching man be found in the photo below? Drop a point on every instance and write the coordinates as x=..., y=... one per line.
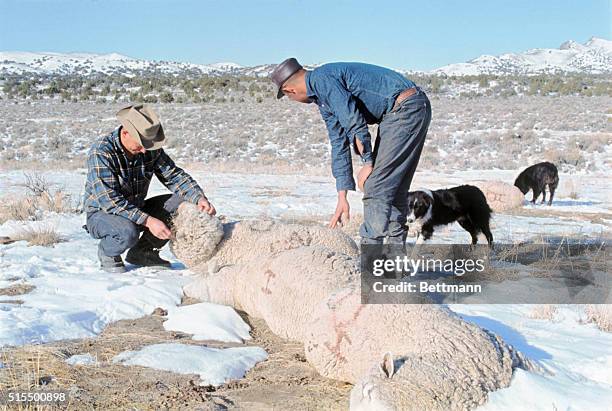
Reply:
x=120, y=167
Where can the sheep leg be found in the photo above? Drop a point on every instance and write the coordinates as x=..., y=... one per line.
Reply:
x=216, y=288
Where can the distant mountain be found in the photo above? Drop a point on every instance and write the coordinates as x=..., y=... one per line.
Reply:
x=89, y=63
x=593, y=57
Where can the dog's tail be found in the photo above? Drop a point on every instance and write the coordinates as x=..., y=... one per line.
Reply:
x=485, y=209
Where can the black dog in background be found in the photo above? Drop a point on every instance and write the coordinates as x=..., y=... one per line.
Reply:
x=465, y=204
x=536, y=178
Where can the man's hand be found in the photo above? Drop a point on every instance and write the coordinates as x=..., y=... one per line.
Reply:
x=205, y=206
x=158, y=228
x=363, y=175
x=358, y=146
x=343, y=211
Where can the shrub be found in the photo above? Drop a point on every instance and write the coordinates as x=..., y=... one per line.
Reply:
x=20, y=209
x=43, y=236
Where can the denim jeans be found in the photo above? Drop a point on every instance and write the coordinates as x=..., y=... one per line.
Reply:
x=401, y=136
x=117, y=233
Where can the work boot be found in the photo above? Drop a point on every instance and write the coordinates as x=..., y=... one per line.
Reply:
x=110, y=264
x=146, y=257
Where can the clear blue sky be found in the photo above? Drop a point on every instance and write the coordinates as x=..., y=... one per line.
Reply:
x=421, y=34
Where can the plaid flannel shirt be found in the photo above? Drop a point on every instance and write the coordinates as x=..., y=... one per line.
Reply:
x=118, y=185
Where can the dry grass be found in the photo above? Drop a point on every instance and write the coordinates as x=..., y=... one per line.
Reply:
x=57, y=202
x=569, y=187
x=40, y=197
x=44, y=235
x=600, y=315
x=45, y=197
x=543, y=257
x=544, y=312
x=293, y=138
x=284, y=381
x=17, y=289
x=41, y=166
x=570, y=156
x=592, y=142
x=25, y=372
x=19, y=209
x=271, y=166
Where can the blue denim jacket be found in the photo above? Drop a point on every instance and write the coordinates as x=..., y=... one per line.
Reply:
x=350, y=96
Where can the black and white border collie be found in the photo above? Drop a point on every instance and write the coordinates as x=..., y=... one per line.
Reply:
x=536, y=178
x=465, y=204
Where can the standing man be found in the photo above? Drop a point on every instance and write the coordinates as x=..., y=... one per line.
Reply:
x=120, y=167
x=350, y=96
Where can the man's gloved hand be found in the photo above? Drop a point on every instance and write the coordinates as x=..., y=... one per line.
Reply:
x=205, y=206
x=158, y=228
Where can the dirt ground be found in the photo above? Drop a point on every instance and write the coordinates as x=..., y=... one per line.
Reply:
x=284, y=381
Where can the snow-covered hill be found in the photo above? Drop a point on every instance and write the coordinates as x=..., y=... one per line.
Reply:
x=90, y=63
x=593, y=57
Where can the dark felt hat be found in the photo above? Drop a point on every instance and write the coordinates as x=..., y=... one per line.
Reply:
x=282, y=72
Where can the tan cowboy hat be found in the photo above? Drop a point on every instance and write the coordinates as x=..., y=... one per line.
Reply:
x=143, y=124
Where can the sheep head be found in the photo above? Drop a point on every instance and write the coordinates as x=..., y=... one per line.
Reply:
x=196, y=235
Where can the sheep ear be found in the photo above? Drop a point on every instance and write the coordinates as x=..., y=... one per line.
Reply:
x=387, y=366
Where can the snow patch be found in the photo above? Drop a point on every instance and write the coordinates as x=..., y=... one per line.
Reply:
x=215, y=366
x=82, y=359
x=72, y=297
x=578, y=358
x=208, y=321
x=594, y=57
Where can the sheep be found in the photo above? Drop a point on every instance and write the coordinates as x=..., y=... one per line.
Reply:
x=501, y=196
x=295, y=282
x=195, y=235
x=348, y=335
x=307, y=291
x=202, y=239
x=418, y=382
x=284, y=290
x=310, y=295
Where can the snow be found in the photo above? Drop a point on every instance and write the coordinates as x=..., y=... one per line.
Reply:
x=595, y=57
x=214, y=322
x=214, y=366
x=74, y=299
x=82, y=359
x=89, y=63
x=568, y=205
x=577, y=358
x=226, y=66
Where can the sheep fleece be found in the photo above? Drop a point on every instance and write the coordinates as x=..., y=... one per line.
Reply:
x=345, y=338
x=200, y=238
x=304, y=282
x=501, y=196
